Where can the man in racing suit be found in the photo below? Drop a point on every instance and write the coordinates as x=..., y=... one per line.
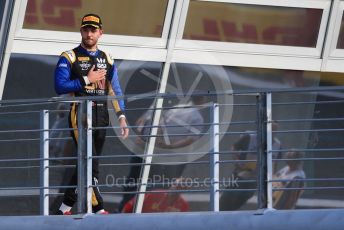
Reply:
x=88, y=71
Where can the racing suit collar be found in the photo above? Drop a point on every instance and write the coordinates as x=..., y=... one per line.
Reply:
x=85, y=51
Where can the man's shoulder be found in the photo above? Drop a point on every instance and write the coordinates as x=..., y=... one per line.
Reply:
x=69, y=55
x=108, y=56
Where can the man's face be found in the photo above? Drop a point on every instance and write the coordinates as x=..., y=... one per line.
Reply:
x=90, y=36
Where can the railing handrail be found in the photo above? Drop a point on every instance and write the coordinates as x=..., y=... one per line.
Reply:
x=177, y=94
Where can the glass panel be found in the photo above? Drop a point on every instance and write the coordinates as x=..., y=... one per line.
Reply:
x=136, y=78
x=24, y=82
x=131, y=17
x=2, y=7
x=325, y=108
x=189, y=161
x=238, y=180
x=272, y=25
x=182, y=146
x=28, y=76
x=340, y=44
x=3, y=31
x=308, y=107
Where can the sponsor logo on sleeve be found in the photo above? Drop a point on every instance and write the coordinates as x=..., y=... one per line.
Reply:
x=63, y=65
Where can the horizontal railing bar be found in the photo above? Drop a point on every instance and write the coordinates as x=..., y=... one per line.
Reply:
x=304, y=120
x=235, y=161
x=154, y=126
x=22, y=130
x=60, y=138
x=239, y=104
x=24, y=139
x=28, y=167
x=61, y=166
x=60, y=158
x=169, y=155
x=19, y=167
x=38, y=187
x=236, y=133
x=34, y=130
x=183, y=184
x=162, y=135
x=308, y=179
x=158, y=191
x=29, y=102
x=310, y=188
x=237, y=190
x=306, y=102
x=177, y=190
x=238, y=152
x=60, y=129
x=310, y=159
x=251, y=92
x=160, y=163
x=37, y=159
x=21, y=112
x=309, y=150
x=149, y=155
x=308, y=130
x=236, y=123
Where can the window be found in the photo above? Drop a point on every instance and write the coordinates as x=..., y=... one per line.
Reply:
x=5, y=7
x=2, y=7
x=131, y=17
x=257, y=24
x=340, y=44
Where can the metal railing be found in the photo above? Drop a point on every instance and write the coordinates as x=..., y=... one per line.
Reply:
x=218, y=131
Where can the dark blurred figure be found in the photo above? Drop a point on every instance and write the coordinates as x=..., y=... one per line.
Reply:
x=287, y=199
x=246, y=146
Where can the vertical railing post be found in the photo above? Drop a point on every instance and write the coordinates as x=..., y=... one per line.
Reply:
x=261, y=151
x=269, y=150
x=44, y=163
x=89, y=157
x=214, y=158
x=81, y=166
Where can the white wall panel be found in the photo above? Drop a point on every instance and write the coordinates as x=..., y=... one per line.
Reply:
x=247, y=60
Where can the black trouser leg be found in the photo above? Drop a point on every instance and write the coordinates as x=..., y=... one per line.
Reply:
x=100, y=119
x=98, y=139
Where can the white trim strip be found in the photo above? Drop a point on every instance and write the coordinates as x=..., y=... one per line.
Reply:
x=118, y=52
x=247, y=60
x=288, y=3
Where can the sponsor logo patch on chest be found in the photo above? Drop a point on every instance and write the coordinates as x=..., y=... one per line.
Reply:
x=83, y=58
x=101, y=63
x=85, y=65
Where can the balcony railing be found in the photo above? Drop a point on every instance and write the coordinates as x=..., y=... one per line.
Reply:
x=215, y=169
